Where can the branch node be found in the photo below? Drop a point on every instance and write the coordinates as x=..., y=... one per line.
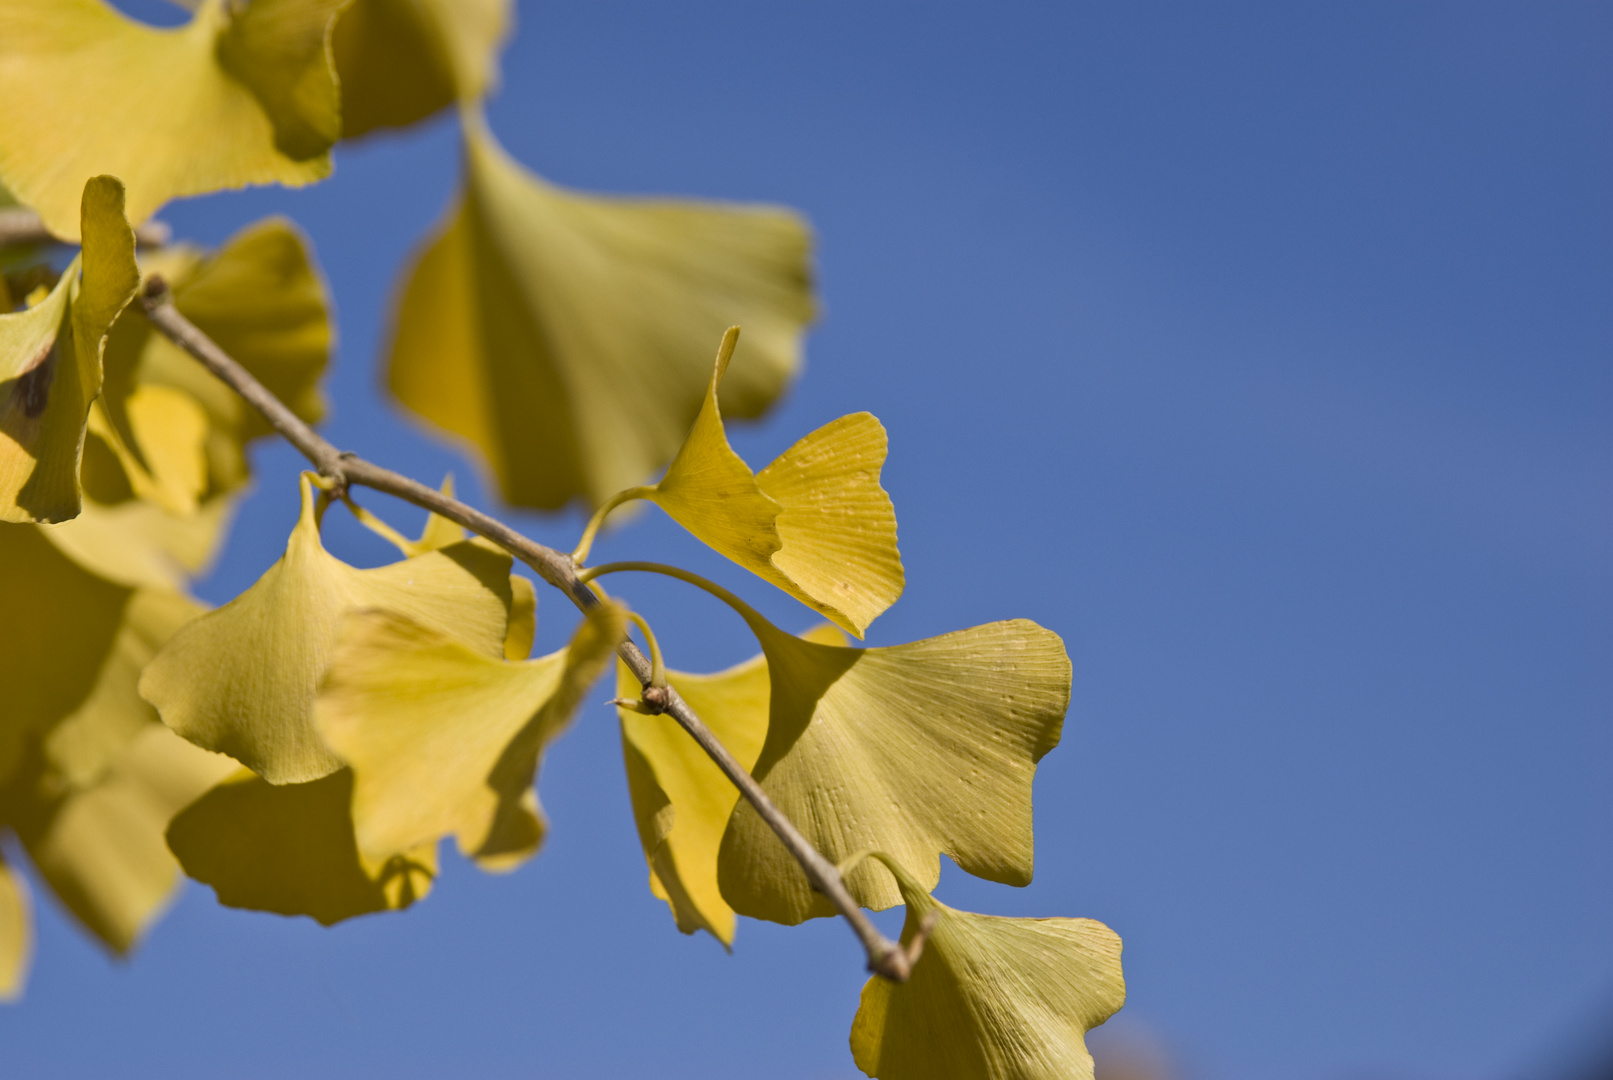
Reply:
x=658, y=699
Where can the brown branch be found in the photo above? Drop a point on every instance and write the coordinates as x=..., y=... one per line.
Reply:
x=885, y=957
x=19, y=226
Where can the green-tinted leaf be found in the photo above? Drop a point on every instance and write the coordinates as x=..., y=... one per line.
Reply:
x=16, y=932
x=289, y=849
x=218, y=103
x=815, y=523
x=241, y=680
x=444, y=740
x=990, y=998
x=681, y=800
x=402, y=60
x=567, y=337
x=101, y=848
x=50, y=362
x=914, y=749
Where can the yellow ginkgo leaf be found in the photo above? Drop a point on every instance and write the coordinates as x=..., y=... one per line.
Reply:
x=681, y=800
x=991, y=998
x=444, y=740
x=62, y=623
x=289, y=849
x=101, y=848
x=16, y=932
x=164, y=456
x=912, y=749
x=134, y=542
x=50, y=362
x=401, y=60
x=81, y=746
x=242, y=94
x=241, y=680
x=815, y=523
x=565, y=336
x=260, y=296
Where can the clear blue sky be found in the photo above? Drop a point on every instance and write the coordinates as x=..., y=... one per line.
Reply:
x=1265, y=352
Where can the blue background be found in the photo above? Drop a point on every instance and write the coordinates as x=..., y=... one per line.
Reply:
x=1262, y=351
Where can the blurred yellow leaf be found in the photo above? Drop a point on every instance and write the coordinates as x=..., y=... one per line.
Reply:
x=241, y=680
x=243, y=94
x=50, y=361
x=681, y=800
x=260, y=296
x=289, y=849
x=16, y=932
x=565, y=336
x=990, y=998
x=913, y=749
x=815, y=523
x=444, y=740
x=134, y=542
x=101, y=848
x=401, y=60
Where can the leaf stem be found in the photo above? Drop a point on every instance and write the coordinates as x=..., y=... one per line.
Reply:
x=885, y=957
x=586, y=544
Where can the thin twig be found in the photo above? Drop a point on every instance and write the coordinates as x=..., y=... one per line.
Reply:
x=19, y=226
x=885, y=957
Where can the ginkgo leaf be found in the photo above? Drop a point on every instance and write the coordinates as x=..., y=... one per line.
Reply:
x=816, y=522
x=101, y=848
x=83, y=744
x=16, y=932
x=443, y=740
x=914, y=749
x=289, y=849
x=242, y=94
x=63, y=622
x=401, y=60
x=261, y=298
x=681, y=800
x=50, y=362
x=164, y=458
x=991, y=998
x=241, y=680
x=565, y=336
x=134, y=542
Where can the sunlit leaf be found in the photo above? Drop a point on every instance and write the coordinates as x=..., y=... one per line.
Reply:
x=241, y=680
x=289, y=849
x=990, y=998
x=101, y=848
x=260, y=296
x=816, y=522
x=134, y=542
x=164, y=455
x=567, y=337
x=444, y=740
x=912, y=749
x=50, y=362
x=16, y=932
x=402, y=60
x=61, y=623
x=81, y=746
x=681, y=800
x=243, y=94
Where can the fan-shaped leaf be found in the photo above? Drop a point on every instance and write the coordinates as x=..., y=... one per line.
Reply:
x=912, y=749
x=241, y=679
x=990, y=998
x=444, y=740
x=565, y=335
x=101, y=848
x=681, y=800
x=50, y=362
x=243, y=94
x=289, y=849
x=815, y=523
x=402, y=60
